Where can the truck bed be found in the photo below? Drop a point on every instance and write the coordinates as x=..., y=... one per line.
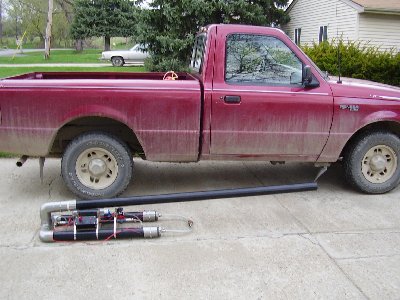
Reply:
x=162, y=115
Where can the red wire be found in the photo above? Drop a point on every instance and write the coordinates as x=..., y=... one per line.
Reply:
x=117, y=232
x=108, y=238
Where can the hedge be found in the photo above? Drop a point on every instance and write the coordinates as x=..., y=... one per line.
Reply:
x=358, y=60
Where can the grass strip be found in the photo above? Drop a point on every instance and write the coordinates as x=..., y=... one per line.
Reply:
x=57, y=56
x=7, y=72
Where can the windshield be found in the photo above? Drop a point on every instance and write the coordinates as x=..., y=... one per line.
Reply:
x=139, y=48
x=196, y=64
x=134, y=48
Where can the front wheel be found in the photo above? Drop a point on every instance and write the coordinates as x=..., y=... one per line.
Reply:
x=372, y=162
x=117, y=61
x=97, y=165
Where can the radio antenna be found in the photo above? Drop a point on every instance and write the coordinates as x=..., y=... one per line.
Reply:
x=339, y=42
x=339, y=62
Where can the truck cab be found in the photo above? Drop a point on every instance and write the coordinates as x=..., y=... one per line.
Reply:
x=258, y=102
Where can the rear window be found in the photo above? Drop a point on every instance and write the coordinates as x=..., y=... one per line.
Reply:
x=196, y=63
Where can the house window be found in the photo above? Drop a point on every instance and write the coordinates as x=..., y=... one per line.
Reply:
x=323, y=34
x=297, y=34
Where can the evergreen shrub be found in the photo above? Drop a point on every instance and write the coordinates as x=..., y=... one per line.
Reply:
x=358, y=60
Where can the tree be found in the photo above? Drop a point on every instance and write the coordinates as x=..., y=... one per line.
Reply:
x=103, y=18
x=67, y=8
x=1, y=21
x=47, y=42
x=169, y=27
x=31, y=16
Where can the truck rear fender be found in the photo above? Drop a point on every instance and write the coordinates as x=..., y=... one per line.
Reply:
x=76, y=126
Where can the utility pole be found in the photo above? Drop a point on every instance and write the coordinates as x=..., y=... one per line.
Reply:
x=47, y=41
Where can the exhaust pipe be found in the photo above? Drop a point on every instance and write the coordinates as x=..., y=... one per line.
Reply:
x=22, y=160
x=48, y=235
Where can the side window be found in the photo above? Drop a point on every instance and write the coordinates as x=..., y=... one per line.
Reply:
x=198, y=53
x=260, y=60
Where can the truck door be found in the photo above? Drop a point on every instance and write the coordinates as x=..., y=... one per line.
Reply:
x=259, y=105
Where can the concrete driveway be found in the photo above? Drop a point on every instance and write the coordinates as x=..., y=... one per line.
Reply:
x=333, y=243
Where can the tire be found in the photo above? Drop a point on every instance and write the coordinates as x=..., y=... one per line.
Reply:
x=117, y=61
x=97, y=165
x=372, y=162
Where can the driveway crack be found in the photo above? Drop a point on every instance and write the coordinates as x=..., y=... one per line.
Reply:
x=315, y=241
x=51, y=187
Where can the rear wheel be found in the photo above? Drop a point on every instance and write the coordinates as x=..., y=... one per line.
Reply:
x=117, y=61
x=97, y=165
x=372, y=162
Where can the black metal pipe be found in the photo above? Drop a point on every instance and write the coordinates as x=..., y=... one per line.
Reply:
x=102, y=234
x=196, y=196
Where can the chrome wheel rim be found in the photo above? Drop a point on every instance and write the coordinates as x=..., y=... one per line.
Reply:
x=96, y=168
x=379, y=164
x=117, y=61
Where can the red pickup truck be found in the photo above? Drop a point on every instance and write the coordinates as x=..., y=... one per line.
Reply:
x=252, y=95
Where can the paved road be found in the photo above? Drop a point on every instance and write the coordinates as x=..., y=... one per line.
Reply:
x=333, y=243
x=12, y=52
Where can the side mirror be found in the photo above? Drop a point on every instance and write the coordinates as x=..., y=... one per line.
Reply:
x=307, y=75
x=308, y=78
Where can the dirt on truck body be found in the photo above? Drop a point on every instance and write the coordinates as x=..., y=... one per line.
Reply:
x=252, y=94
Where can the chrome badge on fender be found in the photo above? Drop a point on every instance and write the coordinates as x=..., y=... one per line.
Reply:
x=352, y=107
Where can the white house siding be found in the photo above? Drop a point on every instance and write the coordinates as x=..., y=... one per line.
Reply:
x=309, y=15
x=380, y=30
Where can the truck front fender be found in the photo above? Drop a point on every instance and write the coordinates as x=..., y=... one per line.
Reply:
x=347, y=125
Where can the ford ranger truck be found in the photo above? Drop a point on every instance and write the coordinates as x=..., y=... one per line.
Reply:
x=252, y=94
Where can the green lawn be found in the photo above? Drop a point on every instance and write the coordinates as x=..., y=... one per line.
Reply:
x=56, y=56
x=6, y=72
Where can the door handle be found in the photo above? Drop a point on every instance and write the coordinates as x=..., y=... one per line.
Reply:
x=232, y=99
